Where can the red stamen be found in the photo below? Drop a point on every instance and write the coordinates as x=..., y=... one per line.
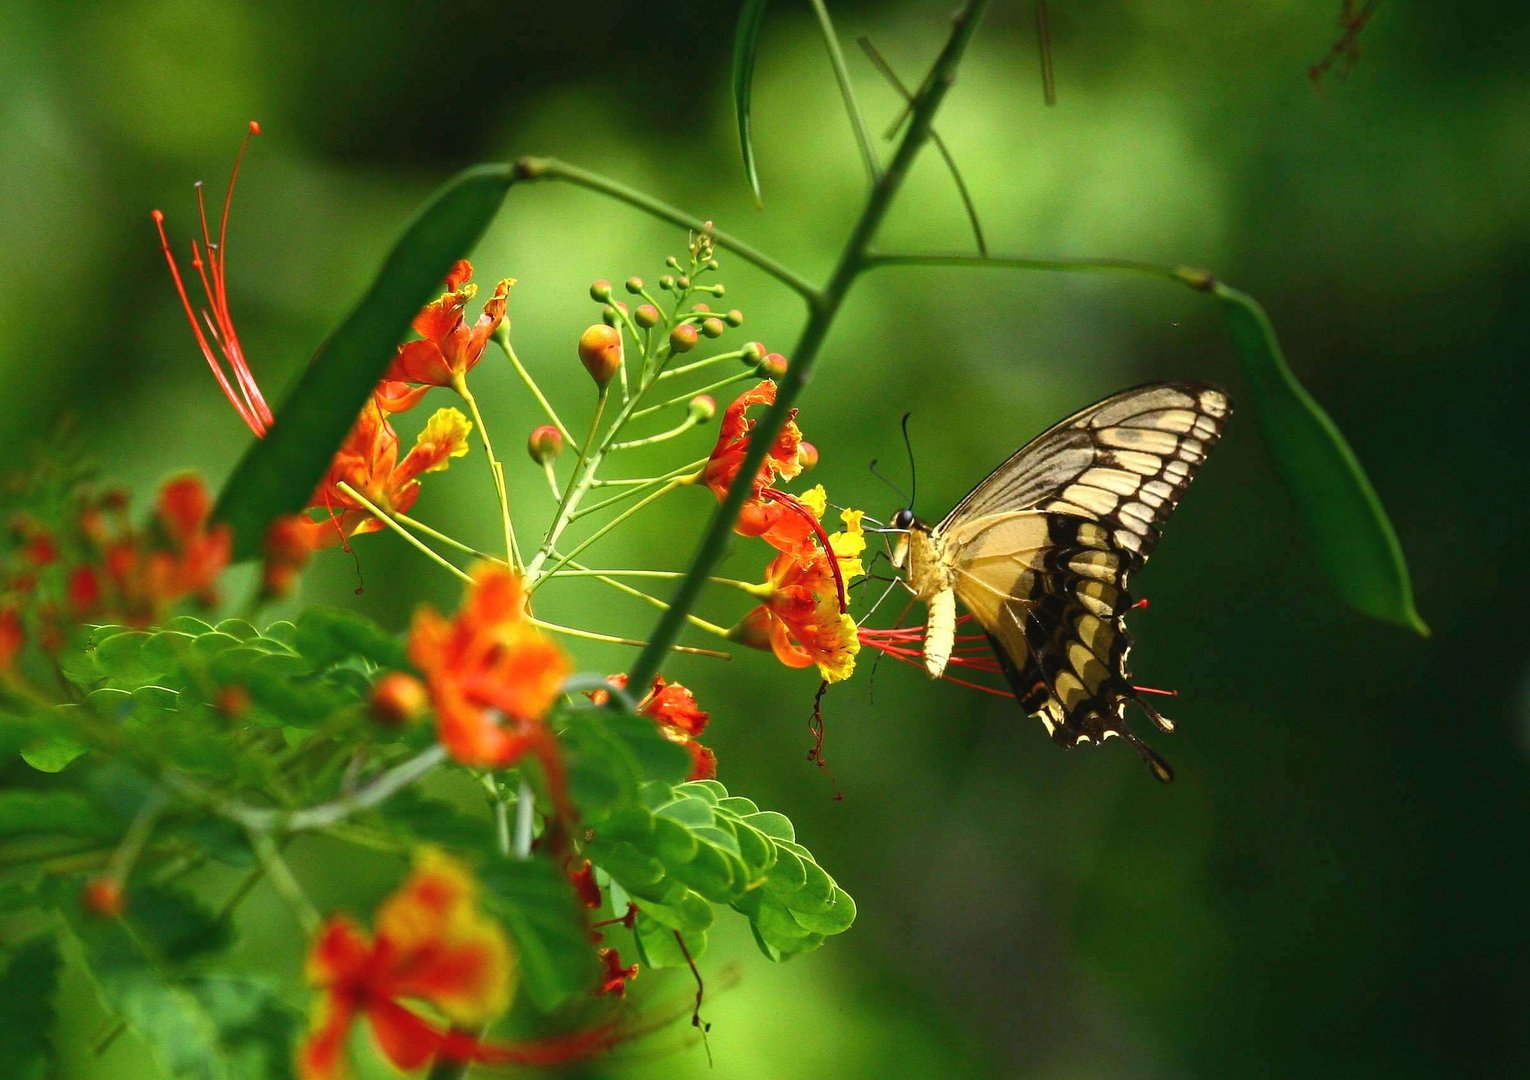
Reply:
x=211, y=273
x=1155, y=690
x=823, y=538
x=1139, y=604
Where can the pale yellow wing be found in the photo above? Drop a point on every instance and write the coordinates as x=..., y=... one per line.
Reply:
x=1046, y=575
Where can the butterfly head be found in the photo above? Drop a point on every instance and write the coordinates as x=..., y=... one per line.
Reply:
x=905, y=522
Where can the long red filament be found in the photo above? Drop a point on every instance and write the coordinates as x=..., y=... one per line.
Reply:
x=209, y=260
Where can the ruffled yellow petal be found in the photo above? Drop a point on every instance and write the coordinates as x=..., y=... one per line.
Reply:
x=815, y=499
x=849, y=544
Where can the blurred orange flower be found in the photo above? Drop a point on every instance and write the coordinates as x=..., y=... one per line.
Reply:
x=492, y=676
x=764, y=513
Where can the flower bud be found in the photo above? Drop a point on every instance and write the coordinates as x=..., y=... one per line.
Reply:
x=807, y=455
x=714, y=327
x=646, y=316
x=717, y=290
x=232, y=702
x=734, y=317
x=683, y=282
x=702, y=408
x=667, y=283
x=634, y=285
x=774, y=365
x=682, y=338
x=600, y=350
x=754, y=352
x=398, y=699
x=702, y=308
x=672, y=262
x=609, y=314
x=600, y=291
x=102, y=897
x=711, y=264
x=544, y=444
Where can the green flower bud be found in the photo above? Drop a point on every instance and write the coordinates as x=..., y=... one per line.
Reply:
x=667, y=283
x=735, y=317
x=807, y=455
x=702, y=408
x=600, y=291
x=714, y=327
x=634, y=285
x=703, y=308
x=646, y=316
x=774, y=365
x=754, y=352
x=683, y=281
x=608, y=314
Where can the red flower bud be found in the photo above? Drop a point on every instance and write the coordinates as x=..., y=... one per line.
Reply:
x=683, y=282
x=398, y=699
x=807, y=455
x=102, y=897
x=232, y=702
x=682, y=338
x=703, y=308
x=773, y=366
x=545, y=444
x=646, y=316
x=600, y=350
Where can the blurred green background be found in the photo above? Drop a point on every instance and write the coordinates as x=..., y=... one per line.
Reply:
x=1335, y=884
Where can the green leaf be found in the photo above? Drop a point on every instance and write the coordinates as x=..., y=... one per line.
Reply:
x=27, y=988
x=54, y=753
x=279, y=472
x=256, y=1029
x=65, y=813
x=326, y=636
x=552, y=938
x=746, y=41
x=658, y=946
x=174, y=923
x=1345, y=519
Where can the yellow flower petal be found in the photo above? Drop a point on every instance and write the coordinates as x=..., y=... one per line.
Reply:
x=849, y=544
x=815, y=499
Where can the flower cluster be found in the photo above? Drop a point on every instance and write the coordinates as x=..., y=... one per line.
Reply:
x=673, y=708
x=89, y=563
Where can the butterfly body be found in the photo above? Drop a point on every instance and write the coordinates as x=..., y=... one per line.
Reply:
x=1040, y=554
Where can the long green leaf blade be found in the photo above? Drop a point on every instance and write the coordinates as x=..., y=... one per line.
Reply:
x=746, y=40
x=279, y=472
x=1344, y=517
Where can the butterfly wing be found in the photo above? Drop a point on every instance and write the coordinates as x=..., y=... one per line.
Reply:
x=1041, y=552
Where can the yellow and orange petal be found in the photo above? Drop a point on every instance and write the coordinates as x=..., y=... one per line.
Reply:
x=448, y=347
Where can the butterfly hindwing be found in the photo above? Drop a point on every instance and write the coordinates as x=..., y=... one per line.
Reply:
x=1042, y=551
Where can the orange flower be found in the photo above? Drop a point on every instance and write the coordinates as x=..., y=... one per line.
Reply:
x=368, y=461
x=763, y=513
x=804, y=619
x=449, y=348
x=492, y=676
x=432, y=945
x=674, y=709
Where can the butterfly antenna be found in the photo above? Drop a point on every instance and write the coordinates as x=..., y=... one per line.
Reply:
x=913, y=477
x=896, y=490
x=1162, y=771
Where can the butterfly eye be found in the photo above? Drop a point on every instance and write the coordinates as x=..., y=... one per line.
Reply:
x=903, y=519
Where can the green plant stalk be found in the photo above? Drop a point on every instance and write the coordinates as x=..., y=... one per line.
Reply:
x=612, y=639
x=654, y=601
x=451, y=542
x=686, y=369
x=607, y=527
x=748, y=374
x=512, y=552
x=414, y=541
x=847, y=91
x=823, y=308
x=664, y=436
x=287, y=887
x=543, y=168
x=502, y=339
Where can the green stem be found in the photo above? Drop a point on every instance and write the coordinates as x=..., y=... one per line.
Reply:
x=502, y=339
x=387, y=519
x=540, y=168
x=665, y=575
x=645, y=481
x=578, y=483
x=280, y=875
x=612, y=639
x=512, y=553
x=501, y=813
x=685, y=398
x=846, y=91
x=620, y=586
x=1196, y=279
x=608, y=526
x=664, y=436
x=441, y=537
x=697, y=365
x=824, y=307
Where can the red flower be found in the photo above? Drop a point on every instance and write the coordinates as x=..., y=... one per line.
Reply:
x=674, y=709
x=492, y=676
x=432, y=945
x=804, y=619
x=12, y=637
x=614, y=977
x=449, y=348
x=209, y=260
x=764, y=513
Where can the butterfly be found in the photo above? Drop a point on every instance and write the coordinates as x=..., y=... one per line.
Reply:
x=1040, y=553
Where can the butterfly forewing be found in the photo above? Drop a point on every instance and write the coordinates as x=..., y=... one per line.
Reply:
x=1042, y=550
